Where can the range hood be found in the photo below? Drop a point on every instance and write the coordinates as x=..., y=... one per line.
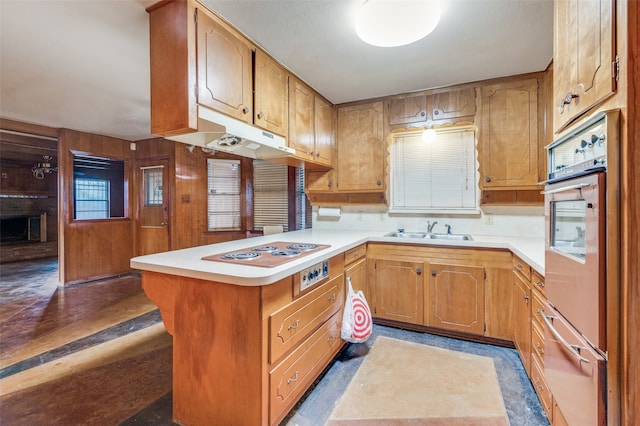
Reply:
x=222, y=133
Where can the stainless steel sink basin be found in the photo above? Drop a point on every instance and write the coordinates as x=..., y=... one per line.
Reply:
x=451, y=237
x=399, y=234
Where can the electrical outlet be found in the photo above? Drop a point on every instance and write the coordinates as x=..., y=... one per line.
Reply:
x=488, y=219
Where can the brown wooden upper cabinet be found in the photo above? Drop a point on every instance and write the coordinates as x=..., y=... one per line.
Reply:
x=584, y=57
x=224, y=69
x=508, y=138
x=420, y=109
x=361, y=148
x=311, y=121
x=271, y=95
x=199, y=60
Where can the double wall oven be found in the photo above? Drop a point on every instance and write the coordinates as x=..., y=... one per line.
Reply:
x=575, y=357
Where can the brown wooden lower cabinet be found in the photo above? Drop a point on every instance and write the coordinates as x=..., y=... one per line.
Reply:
x=398, y=287
x=522, y=319
x=456, y=297
x=456, y=289
x=291, y=377
x=355, y=268
x=244, y=355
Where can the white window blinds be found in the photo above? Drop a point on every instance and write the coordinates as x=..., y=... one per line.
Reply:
x=223, y=185
x=436, y=177
x=270, y=194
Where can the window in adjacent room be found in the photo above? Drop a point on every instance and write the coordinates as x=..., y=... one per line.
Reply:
x=91, y=198
x=434, y=177
x=99, y=190
x=223, y=187
x=275, y=186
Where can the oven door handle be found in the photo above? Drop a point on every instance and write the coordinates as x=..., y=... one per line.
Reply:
x=577, y=186
x=572, y=349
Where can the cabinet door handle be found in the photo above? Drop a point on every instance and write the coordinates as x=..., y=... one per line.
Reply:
x=418, y=271
x=245, y=110
x=526, y=298
x=433, y=272
x=293, y=379
x=294, y=326
x=329, y=184
x=566, y=101
x=331, y=298
x=487, y=179
x=540, y=284
x=260, y=115
x=378, y=182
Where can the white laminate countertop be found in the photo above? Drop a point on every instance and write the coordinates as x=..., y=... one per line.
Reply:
x=189, y=263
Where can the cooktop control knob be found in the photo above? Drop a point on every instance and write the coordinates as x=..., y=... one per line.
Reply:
x=314, y=274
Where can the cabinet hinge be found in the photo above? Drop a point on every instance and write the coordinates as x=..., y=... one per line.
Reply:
x=616, y=68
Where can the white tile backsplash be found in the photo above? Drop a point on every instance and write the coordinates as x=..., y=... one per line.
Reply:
x=503, y=221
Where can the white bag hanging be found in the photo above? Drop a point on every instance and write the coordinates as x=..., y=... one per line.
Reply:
x=356, y=320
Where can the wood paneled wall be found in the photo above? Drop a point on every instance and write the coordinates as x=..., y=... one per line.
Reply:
x=630, y=218
x=92, y=249
x=189, y=218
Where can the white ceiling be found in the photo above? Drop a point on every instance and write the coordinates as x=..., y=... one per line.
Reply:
x=84, y=64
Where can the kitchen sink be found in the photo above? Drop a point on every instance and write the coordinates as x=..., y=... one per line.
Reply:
x=452, y=237
x=399, y=234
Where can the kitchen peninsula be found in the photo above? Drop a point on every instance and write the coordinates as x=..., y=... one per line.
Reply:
x=249, y=340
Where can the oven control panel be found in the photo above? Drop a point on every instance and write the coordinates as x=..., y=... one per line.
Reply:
x=582, y=151
x=313, y=274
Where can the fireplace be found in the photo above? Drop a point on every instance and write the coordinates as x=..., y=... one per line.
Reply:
x=23, y=228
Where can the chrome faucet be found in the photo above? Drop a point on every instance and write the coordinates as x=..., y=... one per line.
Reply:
x=430, y=227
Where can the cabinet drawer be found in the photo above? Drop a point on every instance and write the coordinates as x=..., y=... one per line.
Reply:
x=522, y=267
x=355, y=254
x=537, y=309
x=537, y=282
x=295, y=373
x=291, y=324
x=537, y=344
x=540, y=385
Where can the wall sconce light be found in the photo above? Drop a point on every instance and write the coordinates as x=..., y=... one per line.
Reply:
x=40, y=169
x=429, y=136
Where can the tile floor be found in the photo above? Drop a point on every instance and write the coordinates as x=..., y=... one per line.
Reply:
x=98, y=354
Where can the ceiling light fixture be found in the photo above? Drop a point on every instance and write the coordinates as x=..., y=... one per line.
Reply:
x=40, y=169
x=390, y=23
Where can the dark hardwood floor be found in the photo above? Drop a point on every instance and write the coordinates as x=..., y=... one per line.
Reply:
x=91, y=354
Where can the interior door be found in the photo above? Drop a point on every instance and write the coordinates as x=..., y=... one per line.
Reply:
x=153, y=202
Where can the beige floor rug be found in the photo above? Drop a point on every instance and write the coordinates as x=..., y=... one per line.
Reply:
x=405, y=383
